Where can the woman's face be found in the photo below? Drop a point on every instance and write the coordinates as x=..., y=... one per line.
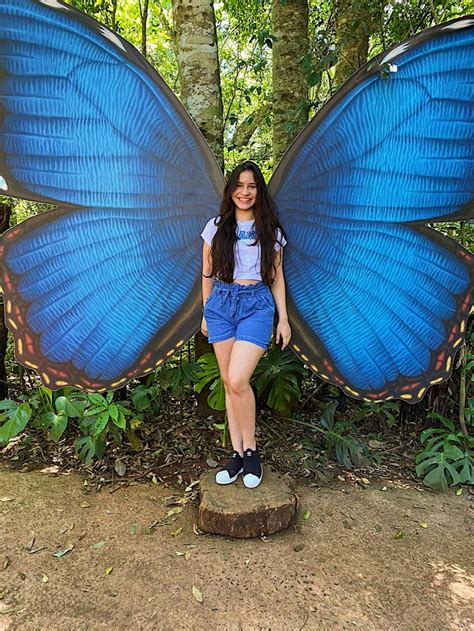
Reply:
x=245, y=193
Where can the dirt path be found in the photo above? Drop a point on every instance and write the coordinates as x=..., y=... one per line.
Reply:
x=342, y=568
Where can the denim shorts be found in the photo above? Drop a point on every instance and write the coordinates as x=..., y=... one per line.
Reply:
x=245, y=312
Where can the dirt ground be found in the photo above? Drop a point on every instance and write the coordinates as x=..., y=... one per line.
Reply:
x=393, y=557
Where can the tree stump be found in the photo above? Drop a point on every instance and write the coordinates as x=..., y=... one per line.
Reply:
x=235, y=511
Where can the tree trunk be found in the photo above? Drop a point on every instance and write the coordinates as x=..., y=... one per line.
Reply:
x=290, y=89
x=198, y=62
x=5, y=211
x=143, y=4
x=249, y=125
x=114, y=15
x=200, y=84
x=353, y=25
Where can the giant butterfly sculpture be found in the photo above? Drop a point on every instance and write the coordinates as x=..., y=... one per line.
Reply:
x=107, y=285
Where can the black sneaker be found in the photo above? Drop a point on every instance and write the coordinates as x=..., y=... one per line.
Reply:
x=253, y=471
x=231, y=470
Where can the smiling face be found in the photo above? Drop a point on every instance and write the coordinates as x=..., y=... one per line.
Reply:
x=245, y=193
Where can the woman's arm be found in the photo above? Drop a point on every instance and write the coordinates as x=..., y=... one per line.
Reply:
x=279, y=294
x=206, y=280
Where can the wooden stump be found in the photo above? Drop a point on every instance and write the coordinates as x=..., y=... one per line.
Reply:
x=236, y=511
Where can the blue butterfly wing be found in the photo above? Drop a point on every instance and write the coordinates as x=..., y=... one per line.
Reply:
x=106, y=286
x=378, y=302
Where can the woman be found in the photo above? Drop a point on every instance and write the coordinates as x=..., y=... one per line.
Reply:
x=242, y=282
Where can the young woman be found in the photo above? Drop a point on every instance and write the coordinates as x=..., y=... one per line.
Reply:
x=242, y=282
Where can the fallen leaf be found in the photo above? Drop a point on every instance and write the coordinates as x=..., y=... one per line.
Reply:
x=53, y=469
x=108, y=570
x=399, y=534
x=45, y=579
x=211, y=463
x=190, y=487
x=187, y=556
x=365, y=480
x=61, y=553
x=298, y=547
x=30, y=544
x=196, y=530
x=120, y=467
x=180, y=554
x=376, y=444
x=307, y=514
x=177, y=532
x=174, y=511
x=5, y=564
x=153, y=479
x=84, y=505
x=459, y=491
x=423, y=524
x=7, y=499
x=37, y=549
x=197, y=594
x=99, y=544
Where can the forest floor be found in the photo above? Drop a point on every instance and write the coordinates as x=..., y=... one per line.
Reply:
x=376, y=555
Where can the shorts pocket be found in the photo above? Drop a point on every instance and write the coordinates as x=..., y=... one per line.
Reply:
x=210, y=298
x=268, y=298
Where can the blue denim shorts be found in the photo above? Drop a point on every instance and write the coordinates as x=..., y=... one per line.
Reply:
x=245, y=312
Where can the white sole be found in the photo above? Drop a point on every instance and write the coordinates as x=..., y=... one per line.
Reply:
x=251, y=481
x=227, y=480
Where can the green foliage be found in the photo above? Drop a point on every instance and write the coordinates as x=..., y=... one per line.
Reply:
x=177, y=377
x=348, y=449
x=210, y=375
x=388, y=412
x=469, y=411
x=447, y=457
x=245, y=40
x=52, y=410
x=98, y=418
x=101, y=10
x=144, y=395
x=14, y=418
x=104, y=419
x=104, y=411
x=277, y=376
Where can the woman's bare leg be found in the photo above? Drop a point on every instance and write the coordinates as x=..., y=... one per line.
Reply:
x=244, y=357
x=223, y=352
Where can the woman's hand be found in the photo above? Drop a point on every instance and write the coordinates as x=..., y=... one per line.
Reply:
x=204, y=326
x=283, y=332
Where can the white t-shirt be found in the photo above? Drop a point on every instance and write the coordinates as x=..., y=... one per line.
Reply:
x=247, y=256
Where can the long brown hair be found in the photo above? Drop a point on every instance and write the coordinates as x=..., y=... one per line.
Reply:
x=266, y=226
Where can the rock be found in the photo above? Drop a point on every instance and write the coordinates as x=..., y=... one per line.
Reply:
x=236, y=511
